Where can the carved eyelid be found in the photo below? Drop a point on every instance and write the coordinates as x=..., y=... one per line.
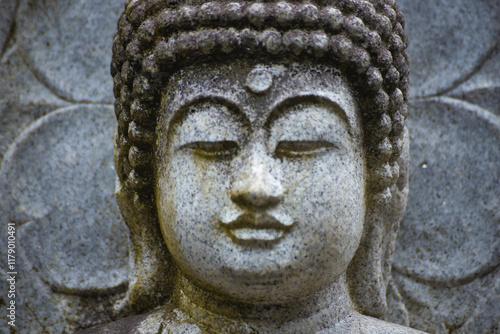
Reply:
x=292, y=147
x=207, y=147
x=298, y=148
x=306, y=147
x=212, y=148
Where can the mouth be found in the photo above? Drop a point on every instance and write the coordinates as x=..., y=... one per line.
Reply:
x=268, y=234
x=255, y=228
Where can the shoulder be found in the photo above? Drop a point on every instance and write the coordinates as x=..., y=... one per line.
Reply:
x=126, y=325
x=162, y=320
x=362, y=324
x=375, y=326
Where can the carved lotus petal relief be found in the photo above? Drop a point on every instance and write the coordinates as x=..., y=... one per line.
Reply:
x=446, y=263
x=454, y=201
x=68, y=45
x=449, y=40
x=7, y=16
x=448, y=254
x=448, y=247
x=59, y=181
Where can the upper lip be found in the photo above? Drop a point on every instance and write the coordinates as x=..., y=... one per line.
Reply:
x=257, y=221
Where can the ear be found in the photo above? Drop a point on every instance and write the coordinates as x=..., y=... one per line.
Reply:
x=153, y=271
x=369, y=272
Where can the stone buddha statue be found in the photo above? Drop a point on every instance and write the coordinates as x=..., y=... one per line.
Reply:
x=262, y=158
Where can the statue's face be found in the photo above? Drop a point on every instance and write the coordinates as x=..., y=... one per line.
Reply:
x=260, y=178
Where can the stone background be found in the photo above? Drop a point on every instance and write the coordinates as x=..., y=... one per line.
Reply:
x=57, y=174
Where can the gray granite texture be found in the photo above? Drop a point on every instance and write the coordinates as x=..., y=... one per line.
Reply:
x=60, y=230
x=7, y=16
x=57, y=177
x=261, y=198
x=264, y=172
x=450, y=42
x=446, y=263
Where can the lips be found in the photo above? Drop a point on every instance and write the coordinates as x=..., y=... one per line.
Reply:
x=257, y=228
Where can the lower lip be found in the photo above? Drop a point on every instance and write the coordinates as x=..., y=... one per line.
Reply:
x=252, y=234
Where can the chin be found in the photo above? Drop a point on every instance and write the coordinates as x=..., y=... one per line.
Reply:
x=255, y=287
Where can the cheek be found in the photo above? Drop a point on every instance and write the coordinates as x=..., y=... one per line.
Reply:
x=191, y=196
x=335, y=183
x=194, y=192
x=326, y=197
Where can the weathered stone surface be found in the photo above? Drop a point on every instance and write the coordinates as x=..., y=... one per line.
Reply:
x=468, y=307
x=448, y=40
x=59, y=289
x=74, y=238
x=231, y=214
x=58, y=182
x=23, y=98
x=60, y=54
x=448, y=254
x=447, y=259
x=454, y=204
x=7, y=16
x=263, y=162
x=67, y=45
x=483, y=88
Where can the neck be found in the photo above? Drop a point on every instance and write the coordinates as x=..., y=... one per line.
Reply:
x=218, y=314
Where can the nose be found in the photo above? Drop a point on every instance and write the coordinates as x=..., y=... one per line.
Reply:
x=256, y=183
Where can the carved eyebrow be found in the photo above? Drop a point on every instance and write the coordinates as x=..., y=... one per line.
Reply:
x=232, y=107
x=284, y=106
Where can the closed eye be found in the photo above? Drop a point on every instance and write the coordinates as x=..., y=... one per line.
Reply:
x=297, y=149
x=216, y=149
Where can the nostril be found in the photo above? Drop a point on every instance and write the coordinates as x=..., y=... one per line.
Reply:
x=257, y=192
x=256, y=199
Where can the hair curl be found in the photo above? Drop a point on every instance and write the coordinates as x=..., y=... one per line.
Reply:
x=364, y=39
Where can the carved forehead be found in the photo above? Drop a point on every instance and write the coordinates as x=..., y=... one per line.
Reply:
x=278, y=84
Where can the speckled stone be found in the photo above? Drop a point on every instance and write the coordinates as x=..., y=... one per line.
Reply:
x=217, y=193
x=449, y=41
x=450, y=276
x=70, y=245
x=63, y=222
x=69, y=54
x=228, y=179
x=66, y=279
x=56, y=55
x=271, y=198
x=470, y=245
x=483, y=88
x=7, y=16
x=445, y=267
x=261, y=198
